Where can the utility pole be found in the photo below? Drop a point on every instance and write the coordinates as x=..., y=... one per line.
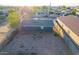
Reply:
x=49, y=8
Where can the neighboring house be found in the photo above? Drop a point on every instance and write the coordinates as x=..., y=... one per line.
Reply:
x=68, y=28
x=55, y=14
x=77, y=13
x=66, y=12
x=3, y=14
x=37, y=25
x=42, y=14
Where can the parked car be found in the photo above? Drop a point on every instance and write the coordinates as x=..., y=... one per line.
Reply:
x=42, y=14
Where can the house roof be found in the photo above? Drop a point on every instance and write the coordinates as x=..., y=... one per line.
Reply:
x=71, y=22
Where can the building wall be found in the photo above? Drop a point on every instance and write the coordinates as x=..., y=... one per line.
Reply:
x=37, y=29
x=58, y=29
x=70, y=38
x=74, y=37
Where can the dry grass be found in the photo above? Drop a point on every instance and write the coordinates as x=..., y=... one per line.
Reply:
x=3, y=30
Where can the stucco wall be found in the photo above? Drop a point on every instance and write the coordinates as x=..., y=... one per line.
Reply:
x=72, y=39
x=58, y=29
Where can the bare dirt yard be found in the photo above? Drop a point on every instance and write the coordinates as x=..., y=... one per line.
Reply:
x=37, y=43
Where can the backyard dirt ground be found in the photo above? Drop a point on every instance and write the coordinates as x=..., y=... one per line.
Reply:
x=37, y=43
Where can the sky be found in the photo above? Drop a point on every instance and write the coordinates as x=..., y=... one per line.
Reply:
x=39, y=2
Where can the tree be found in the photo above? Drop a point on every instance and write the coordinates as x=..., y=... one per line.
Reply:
x=13, y=18
x=74, y=11
x=63, y=7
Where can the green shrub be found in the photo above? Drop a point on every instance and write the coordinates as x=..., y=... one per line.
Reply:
x=74, y=11
x=57, y=34
x=13, y=18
